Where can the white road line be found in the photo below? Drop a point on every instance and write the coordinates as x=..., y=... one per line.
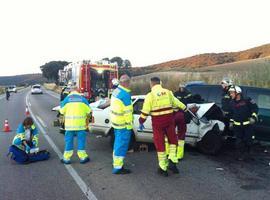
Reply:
x=85, y=189
x=41, y=121
x=29, y=103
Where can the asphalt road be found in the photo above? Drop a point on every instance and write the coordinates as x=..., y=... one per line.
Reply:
x=201, y=176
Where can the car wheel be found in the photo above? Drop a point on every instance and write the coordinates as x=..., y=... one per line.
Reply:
x=131, y=143
x=211, y=143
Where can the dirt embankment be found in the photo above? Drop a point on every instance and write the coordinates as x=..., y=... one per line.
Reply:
x=52, y=87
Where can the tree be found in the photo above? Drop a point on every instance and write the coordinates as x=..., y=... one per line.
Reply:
x=50, y=70
x=118, y=60
x=106, y=59
x=126, y=63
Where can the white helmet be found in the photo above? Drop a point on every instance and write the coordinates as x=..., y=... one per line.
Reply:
x=115, y=82
x=236, y=89
x=227, y=82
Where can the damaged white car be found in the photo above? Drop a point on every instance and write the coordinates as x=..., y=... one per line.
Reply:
x=204, y=130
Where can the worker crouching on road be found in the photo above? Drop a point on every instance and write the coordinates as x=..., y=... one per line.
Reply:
x=26, y=137
x=159, y=104
x=243, y=114
x=122, y=122
x=76, y=111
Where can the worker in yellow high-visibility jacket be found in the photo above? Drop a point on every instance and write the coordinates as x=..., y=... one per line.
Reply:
x=76, y=111
x=122, y=122
x=159, y=103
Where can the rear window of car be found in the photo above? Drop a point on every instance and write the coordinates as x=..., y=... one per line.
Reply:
x=36, y=86
x=201, y=90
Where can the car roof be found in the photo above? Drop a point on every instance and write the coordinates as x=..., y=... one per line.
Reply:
x=191, y=83
x=245, y=87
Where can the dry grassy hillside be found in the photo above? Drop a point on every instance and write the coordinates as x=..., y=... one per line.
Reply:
x=251, y=72
x=204, y=60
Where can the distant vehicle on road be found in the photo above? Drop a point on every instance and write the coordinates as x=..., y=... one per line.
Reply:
x=213, y=93
x=12, y=88
x=36, y=89
x=206, y=133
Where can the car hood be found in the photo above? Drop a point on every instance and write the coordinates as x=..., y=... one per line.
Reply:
x=203, y=108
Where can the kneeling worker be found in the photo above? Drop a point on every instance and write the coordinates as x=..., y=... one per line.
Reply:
x=26, y=137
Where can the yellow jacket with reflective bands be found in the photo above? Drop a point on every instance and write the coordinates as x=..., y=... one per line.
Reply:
x=121, y=108
x=75, y=109
x=160, y=101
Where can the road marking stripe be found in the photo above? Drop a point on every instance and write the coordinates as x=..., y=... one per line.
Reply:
x=41, y=121
x=85, y=189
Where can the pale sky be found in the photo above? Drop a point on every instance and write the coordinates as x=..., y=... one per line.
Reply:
x=146, y=32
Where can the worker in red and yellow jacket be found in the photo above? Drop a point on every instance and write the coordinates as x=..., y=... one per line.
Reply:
x=159, y=103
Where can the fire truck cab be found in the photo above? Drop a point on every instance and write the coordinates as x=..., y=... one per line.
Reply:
x=90, y=77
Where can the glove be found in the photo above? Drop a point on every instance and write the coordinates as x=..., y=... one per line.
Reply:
x=27, y=149
x=252, y=120
x=141, y=127
x=231, y=126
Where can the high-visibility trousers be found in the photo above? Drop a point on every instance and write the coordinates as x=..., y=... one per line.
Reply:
x=181, y=127
x=81, y=138
x=120, y=148
x=164, y=126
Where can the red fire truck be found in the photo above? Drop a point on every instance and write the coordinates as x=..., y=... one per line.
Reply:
x=90, y=77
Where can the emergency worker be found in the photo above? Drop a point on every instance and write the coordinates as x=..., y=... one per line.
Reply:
x=76, y=111
x=122, y=122
x=26, y=137
x=226, y=83
x=64, y=93
x=7, y=94
x=159, y=104
x=243, y=115
x=185, y=97
x=115, y=83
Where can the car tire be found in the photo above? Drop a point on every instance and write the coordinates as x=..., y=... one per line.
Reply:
x=131, y=143
x=211, y=143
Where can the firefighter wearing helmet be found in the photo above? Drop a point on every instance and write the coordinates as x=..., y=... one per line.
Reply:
x=243, y=115
x=226, y=83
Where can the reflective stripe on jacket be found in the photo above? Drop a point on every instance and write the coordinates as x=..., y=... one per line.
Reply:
x=75, y=109
x=159, y=102
x=121, y=108
x=20, y=136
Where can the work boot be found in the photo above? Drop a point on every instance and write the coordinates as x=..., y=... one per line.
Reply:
x=66, y=162
x=172, y=167
x=122, y=171
x=86, y=160
x=161, y=172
